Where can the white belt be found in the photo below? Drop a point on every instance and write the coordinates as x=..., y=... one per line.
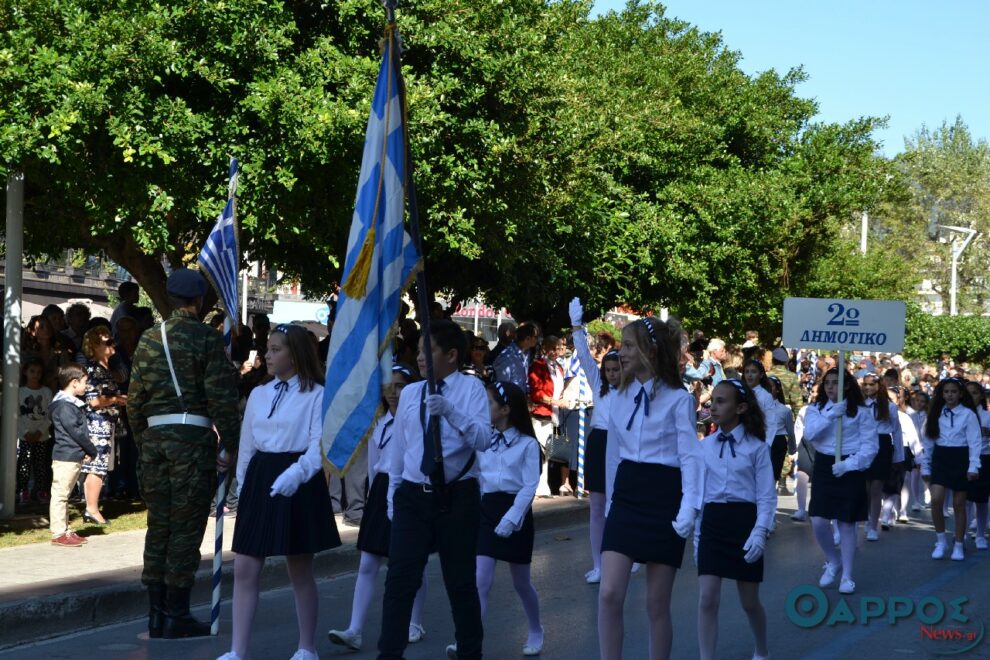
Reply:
x=180, y=418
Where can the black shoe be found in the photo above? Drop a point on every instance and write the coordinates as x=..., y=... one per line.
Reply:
x=89, y=519
x=179, y=623
x=156, y=609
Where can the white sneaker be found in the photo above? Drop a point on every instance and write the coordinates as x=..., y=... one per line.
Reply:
x=594, y=576
x=535, y=649
x=452, y=651
x=871, y=535
x=831, y=572
x=958, y=551
x=847, y=586
x=981, y=543
x=799, y=516
x=416, y=633
x=903, y=518
x=303, y=654
x=939, y=551
x=345, y=638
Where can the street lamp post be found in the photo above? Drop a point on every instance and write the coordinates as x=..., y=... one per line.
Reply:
x=957, y=251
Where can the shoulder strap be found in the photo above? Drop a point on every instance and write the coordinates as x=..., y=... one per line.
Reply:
x=171, y=368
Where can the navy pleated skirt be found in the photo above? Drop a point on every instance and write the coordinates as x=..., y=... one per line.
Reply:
x=843, y=498
x=725, y=527
x=376, y=529
x=645, y=501
x=275, y=526
x=517, y=548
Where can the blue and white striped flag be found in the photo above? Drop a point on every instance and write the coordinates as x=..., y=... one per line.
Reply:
x=381, y=262
x=221, y=258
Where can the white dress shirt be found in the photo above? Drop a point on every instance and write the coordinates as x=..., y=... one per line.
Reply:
x=746, y=476
x=661, y=429
x=768, y=405
x=891, y=426
x=511, y=465
x=380, y=447
x=468, y=430
x=984, y=424
x=591, y=369
x=296, y=424
x=957, y=427
x=859, y=434
x=785, y=425
x=912, y=440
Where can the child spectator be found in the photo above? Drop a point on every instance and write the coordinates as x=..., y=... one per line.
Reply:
x=33, y=432
x=72, y=449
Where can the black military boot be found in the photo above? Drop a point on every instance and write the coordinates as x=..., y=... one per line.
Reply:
x=156, y=609
x=179, y=622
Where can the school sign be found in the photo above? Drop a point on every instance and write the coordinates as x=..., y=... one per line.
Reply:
x=844, y=325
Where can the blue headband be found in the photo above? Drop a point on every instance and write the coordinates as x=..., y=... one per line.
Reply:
x=283, y=328
x=649, y=329
x=611, y=354
x=500, y=391
x=404, y=370
x=739, y=385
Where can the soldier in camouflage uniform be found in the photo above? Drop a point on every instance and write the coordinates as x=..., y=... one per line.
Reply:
x=177, y=448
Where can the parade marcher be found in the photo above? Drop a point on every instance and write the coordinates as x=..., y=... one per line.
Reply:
x=785, y=427
x=755, y=377
x=805, y=466
x=839, y=491
x=376, y=528
x=951, y=460
x=890, y=448
x=603, y=381
x=790, y=383
x=655, y=497
x=283, y=499
x=182, y=386
x=739, y=501
x=435, y=499
x=510, y=471
x=898, y=493
x=918, y=412
x=979, y=491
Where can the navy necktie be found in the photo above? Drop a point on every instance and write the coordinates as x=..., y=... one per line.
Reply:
x=731, y=440
x=642, y=398
x=381, y=439
x=429, y=464
x=498, y=438
x=281, y=387
x=951, y=415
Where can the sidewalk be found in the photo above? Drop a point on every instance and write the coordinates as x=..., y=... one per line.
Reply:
x=47, y=590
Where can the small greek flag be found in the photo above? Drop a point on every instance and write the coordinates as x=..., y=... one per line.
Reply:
x=220, y=258
x=380, y=263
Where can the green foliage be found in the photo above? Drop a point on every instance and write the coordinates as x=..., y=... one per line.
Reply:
x=598, y=326
x=964, y=338
x=625, y=158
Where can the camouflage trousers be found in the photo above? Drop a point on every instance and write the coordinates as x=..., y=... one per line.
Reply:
x=178, y=482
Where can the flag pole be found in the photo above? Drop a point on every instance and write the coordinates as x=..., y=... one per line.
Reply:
x=422, y=291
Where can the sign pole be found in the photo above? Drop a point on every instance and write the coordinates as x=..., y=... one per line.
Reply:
x=842, y=389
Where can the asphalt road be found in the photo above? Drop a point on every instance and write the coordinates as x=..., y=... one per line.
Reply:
x=893, y=574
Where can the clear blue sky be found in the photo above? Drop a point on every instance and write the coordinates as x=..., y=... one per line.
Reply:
x=916, y=61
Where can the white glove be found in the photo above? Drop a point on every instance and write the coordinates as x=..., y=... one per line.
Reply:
x=755, y=544
x=836, y=411
x=438, y=405
x=289, y=481
x=505, y=528
x=841, y=467
x=685, y=521
x=576, y=312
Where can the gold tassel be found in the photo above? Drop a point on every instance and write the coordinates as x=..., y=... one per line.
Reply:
x=356, y=285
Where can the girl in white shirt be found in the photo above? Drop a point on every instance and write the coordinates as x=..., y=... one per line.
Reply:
x=655, y=498
x=890, y=448
x=755, y=376
x=897, y=492
x=918, y=412
x=953, y=441
x=739, y=500
x=376, y=529
x=510, y=473
x=839, y=491
x=603, y=381
x=979, y=492
x=284, y=506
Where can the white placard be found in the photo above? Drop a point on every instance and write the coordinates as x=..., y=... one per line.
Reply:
x=844, y=325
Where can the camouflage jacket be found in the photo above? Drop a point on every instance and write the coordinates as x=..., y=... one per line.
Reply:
x=206, y=377
x=791, y=386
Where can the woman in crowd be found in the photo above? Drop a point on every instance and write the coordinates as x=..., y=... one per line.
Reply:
x=546, y=387
x=43, y=342
x=103, y=405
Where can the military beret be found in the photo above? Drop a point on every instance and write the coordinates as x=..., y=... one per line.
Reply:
x=186, y=283
x=780, y=354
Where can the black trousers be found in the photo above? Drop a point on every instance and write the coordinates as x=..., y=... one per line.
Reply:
x=418, y=528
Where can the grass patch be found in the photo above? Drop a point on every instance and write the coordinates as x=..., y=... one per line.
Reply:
x=30, y=525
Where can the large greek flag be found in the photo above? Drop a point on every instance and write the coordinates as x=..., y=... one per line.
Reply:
x=220, y=258
x=381, y=261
